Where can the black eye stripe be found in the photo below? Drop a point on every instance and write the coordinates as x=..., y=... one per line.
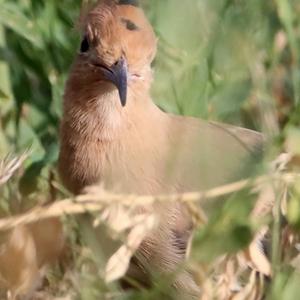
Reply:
x=129, y=24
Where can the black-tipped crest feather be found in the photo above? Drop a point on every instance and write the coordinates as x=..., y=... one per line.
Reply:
x=128, y=2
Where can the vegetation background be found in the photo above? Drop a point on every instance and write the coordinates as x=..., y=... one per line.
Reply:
x=233, y=61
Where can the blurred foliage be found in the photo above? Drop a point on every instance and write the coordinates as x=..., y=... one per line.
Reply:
x=228, y=60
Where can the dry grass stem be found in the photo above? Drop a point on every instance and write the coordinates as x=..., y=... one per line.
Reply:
x=97, y=202
x=10, y=165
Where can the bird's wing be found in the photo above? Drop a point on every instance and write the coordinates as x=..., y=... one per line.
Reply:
x=251, y=140
x=204, y=155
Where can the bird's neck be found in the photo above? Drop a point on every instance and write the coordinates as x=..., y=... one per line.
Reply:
x=96, y=130
x=101, y=117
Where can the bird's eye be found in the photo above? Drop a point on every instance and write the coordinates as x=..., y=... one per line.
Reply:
x=129, y=25
x=85, y=46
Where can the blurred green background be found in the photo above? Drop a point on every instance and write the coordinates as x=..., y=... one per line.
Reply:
x=235, y=61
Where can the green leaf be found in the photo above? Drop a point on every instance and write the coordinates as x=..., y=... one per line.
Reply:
x=5, y=84
x=3, y=95
x=13, y=18
x=29, y=182
x=27, y=138
x=229, y=229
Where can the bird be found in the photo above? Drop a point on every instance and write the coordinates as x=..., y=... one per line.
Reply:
x=113, y=134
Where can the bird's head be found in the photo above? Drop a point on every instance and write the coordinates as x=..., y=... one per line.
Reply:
x=118, y=44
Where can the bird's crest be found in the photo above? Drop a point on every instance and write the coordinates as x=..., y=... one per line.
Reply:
x=128, y=2
x=90, y=3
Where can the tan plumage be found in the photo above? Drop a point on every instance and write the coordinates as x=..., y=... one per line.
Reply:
x=138, y=148
x=25, y=253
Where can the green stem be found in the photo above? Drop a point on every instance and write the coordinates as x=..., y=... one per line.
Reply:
x=5, y=94
x=286, y=16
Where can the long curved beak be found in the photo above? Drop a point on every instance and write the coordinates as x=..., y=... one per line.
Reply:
x=118, y=75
